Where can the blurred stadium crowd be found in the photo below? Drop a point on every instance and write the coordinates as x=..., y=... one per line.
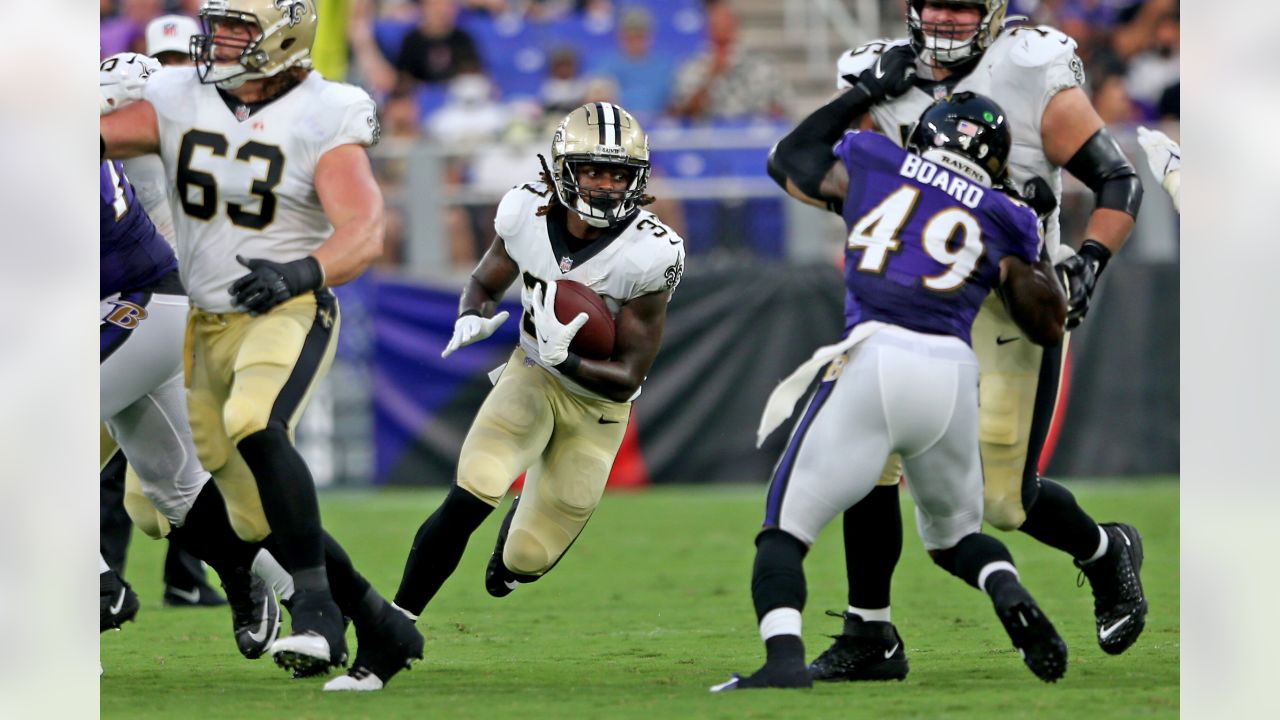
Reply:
x=469, y=91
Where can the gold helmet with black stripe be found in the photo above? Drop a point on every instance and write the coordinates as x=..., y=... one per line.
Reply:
x=600, y=134
x=282, y=32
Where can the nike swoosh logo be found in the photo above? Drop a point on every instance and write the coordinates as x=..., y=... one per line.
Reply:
x=603, y=421
x=1005, y=340
x=889, y=653
x=1106, y=632
x=511, y=584
x=543, y=338
x=191, y=596
x=879, y=70
x=119, y=603
x=262, y=626
x=674, y=242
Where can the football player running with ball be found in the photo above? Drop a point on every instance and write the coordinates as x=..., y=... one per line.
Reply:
x=274, y=201
x=1035, y=75
x=929, y=238
x=552, y=413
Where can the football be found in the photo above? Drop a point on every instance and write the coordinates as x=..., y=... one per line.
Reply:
x=595, y=340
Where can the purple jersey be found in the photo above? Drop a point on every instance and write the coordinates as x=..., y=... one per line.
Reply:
x=925, y=242
x=134, y=254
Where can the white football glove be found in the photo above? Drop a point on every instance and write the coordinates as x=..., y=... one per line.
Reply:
x=121, y=78
x=552, y=335
x=472, y=329
x=1164, y=157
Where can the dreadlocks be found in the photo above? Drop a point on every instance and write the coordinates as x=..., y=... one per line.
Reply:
x=546, y=178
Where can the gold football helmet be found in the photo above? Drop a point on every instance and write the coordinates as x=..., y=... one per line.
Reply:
x=930, y=40
x=602, y=134
x=284, y=29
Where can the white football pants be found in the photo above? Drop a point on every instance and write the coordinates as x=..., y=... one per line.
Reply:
x=898, y=392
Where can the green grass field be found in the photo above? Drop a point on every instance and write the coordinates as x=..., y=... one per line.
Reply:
x=650, y=608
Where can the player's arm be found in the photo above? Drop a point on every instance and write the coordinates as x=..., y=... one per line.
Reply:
x=638, y=335
x=1034, y=298
x=352, y=202
x=486, y=286
x=131, y=131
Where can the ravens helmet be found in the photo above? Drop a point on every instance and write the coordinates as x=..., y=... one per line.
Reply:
x=965, y=132
x=602, y=134
x=933, y=42
x=283, y=32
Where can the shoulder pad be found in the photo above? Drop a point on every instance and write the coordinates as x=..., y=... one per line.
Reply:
x=349, y=116
x=854, y=61
x=1037, y=45
x=517, y=206
x=172, y=91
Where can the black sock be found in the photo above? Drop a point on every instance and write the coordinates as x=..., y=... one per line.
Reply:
x=207, y=534
x=351, y=591
x=438, y=547
x=784, y=649
x=777, y=577
x=1057, y=520
x=114, y=526
x=290, y=505
x=872, y=546
x=182, y=569
x=967, y=558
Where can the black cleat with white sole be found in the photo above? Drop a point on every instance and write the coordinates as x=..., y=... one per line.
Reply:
x=117, y=602
x=773, y=675
x=383, y=649
x=1119, y=604
x=318, y=641
x=1042, y=649
x=498, y=580
x=866, y=650
x=255, y=614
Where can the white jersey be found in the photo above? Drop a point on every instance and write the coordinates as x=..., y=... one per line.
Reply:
x=1022, y=71
x=242, y=180
x=645, y=257
x=146, y=174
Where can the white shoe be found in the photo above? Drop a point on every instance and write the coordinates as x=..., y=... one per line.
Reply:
x=305, y=654
x=358, y=680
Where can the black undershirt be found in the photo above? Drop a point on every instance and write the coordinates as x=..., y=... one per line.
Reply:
x=564, y=244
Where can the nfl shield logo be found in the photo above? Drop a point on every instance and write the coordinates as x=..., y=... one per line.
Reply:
x=566, y=264
x=242, y=112
x=940, y=91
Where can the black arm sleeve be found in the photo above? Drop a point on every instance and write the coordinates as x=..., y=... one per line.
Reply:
x=1101, y=165
x=804, y=155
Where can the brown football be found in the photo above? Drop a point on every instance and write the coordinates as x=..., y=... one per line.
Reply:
x=595, y=340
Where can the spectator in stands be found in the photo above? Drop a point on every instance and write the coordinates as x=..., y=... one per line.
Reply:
x=124, y=32
x=435, y=51
x=644, y=78
x=1111, y=100
x=726, y=82
x=1155, y=69
x=564, y=89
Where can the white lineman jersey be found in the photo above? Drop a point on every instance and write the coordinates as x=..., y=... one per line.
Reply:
x=645, y=257
x=1022, y=71
x=242, y=179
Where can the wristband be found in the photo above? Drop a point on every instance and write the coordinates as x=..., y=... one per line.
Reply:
x=570, y=364
x=1096, y=251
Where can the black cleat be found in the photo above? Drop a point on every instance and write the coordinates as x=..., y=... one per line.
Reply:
x=388, y=646
x=866, y=650
x=498, y=580
x=768, y=676
x=1119, y=605
x=117, y=602
x=1041, y=647
x=318, y=641
x=200, y=596
x=255, y=614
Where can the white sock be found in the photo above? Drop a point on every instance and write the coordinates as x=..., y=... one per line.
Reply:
x=102, y=565
x=780, y=621
x=1103, y=544
x=994, y=567
x=268, y=568
x=871, y=615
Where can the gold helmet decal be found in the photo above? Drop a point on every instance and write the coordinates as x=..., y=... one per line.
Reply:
x=284, y=30
x=600, y=134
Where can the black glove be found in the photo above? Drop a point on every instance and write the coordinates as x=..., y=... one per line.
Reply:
x=268, y=283
x=891, y=76
x=1080, y=274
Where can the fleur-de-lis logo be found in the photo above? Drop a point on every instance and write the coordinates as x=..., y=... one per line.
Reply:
x=292, y=9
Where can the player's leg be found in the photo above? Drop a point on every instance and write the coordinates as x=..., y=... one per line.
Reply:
x=184, y=580
x=562, y=489
x=933, y=413
x=507, y=436
x=114, y=528
x=1019, y=393
x=831, y=461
